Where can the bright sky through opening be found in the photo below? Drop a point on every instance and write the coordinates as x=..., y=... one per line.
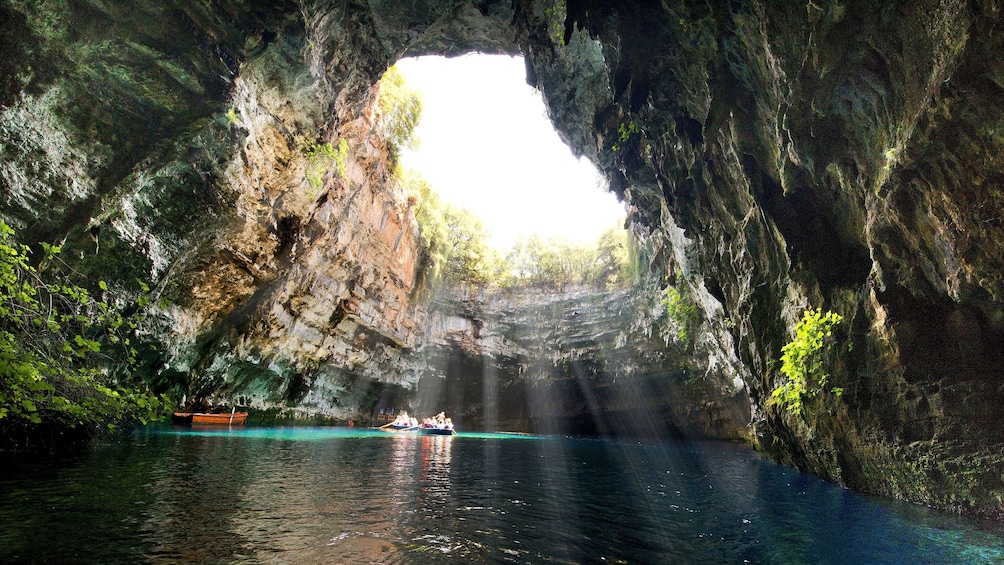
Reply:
x=486, y=144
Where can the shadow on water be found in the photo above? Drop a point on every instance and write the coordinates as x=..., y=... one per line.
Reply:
x=334, y=495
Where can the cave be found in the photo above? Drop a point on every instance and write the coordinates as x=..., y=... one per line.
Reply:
x=774, y=158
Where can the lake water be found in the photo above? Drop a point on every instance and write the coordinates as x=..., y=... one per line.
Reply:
x=330, y=495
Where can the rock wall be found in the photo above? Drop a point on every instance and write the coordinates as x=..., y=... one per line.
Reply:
x=178, y=144
x=775, y=156
x=833, y=155
x=582, y=361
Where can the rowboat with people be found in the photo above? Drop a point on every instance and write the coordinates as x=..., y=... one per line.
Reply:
x=403, y=423
x=438, y=425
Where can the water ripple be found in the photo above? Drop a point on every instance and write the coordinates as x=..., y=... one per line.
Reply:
x=334, y=496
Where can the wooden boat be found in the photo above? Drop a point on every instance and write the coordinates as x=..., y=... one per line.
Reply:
x=432, y=431
x=397, y=428
x=190, y=418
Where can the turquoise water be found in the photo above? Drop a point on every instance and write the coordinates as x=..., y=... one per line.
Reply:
x=334, y=495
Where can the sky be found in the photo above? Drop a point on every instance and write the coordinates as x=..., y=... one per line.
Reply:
x=486, y=144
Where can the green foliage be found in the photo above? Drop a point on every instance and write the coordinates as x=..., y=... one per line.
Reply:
x=64, y=354
x=616, y=258
x=802, y=361
x=455, y=249
x=320, y=158
x=232, y=117
x=624, y=133
x=554, y=19
x=454, y=243
x=557, y=263
x=400, y=111
x=470, y=258
x=682, y=310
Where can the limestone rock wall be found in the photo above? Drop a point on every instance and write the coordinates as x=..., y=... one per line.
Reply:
x=176, y=144
x=775, y=156
x=838, y=155
x=582, y=361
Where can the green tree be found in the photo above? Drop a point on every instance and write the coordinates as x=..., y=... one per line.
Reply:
x=400, y=108
x=64, y=354
x=526, y=261
x=455, y=250
x=558, y=263
x=453, y=240
x=469, y=259
x=432, y=228
x=803, y=360
x=616, y=258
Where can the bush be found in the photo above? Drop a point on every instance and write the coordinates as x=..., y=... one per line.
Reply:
x=320, y=158
x=802, y=361
x=682, y=310
x=64, y=355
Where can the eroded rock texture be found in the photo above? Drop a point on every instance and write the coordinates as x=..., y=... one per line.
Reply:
x=584, y=360
x=775, y=155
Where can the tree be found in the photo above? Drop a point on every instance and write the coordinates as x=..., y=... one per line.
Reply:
x=64, y=355
x=454, y=242
x=613, y=258
x=558, y=263
x=455, y=250
x=400, y=109
x=470, y=259
x=526, y=261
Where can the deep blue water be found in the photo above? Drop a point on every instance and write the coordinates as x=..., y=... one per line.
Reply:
x=329, y=495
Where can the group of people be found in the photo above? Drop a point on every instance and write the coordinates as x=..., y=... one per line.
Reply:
x=439, y=421
x=403, y=420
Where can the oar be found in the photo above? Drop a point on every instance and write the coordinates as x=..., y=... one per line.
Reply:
x=385, y=425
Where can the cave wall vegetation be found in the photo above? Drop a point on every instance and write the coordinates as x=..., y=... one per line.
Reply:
x=773, y=157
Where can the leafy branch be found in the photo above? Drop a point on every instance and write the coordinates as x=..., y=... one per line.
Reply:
x=802, y=361
x=65, y=355
x=624, y=132
x=400, y=111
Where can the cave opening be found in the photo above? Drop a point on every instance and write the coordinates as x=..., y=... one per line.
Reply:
x=515, y=359
x=485, y=143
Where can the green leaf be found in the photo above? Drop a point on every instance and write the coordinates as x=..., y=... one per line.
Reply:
x=802, y=360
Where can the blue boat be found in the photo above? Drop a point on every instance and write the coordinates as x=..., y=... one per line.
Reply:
x=392, y=428
x=434, y=431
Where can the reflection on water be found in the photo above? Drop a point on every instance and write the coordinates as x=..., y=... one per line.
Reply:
x=322, y=495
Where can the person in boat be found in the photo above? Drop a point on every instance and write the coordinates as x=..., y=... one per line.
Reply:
x=402, y=420
x=439, y=421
